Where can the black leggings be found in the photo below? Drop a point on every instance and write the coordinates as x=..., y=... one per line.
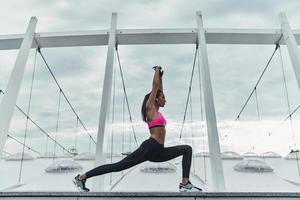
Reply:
x=149, y=150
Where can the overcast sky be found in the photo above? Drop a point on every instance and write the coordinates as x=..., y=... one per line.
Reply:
x=80, y=71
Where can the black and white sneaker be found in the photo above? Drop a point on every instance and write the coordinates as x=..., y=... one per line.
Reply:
x=80, y=184
x=189, y=187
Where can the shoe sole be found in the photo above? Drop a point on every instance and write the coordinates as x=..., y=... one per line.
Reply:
x=187, y=190
x=79, y=188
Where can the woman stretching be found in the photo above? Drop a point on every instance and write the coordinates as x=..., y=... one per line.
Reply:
x=153, y=148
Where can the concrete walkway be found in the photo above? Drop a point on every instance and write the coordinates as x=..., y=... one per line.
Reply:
x=146, y=195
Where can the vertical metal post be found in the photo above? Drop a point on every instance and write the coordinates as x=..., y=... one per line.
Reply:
x=291, y=44
x=9, y=100
x=213, y=138
x=98, y=183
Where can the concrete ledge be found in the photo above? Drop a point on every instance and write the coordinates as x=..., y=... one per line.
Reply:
x=148, y=195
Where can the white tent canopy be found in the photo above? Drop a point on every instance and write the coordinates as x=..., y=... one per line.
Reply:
x=153, y=167
x=253, y=166
x=63, y=166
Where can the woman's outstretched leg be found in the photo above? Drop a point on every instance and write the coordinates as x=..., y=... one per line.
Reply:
x=136, y=157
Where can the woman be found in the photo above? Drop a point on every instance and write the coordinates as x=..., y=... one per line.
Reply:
x=152, y=149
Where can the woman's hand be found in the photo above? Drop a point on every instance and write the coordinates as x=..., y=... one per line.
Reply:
x=157, y=68
x=161, y=72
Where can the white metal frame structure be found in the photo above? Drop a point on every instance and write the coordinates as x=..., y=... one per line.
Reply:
x=210, y=113
x=9, y=100
x=98, y=182
x=115, y=36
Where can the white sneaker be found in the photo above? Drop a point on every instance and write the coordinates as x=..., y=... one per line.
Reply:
x=189, y=187
x=80, y=184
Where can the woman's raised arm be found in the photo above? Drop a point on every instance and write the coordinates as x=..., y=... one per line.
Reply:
x=156, y=85
x=160, y=80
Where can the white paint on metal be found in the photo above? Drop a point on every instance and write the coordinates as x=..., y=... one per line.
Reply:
x=98, y=182
x=292, y=45
x=218, y=181
x=148, y=36
x=9, y=100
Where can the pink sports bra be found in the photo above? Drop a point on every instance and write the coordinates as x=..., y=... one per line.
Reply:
x=158, y=121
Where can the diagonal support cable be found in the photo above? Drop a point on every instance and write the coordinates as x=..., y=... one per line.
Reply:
x=113, y=121
x=189, y=92
x=202, y=115
x=24, y=145
x=57, y=121
x=290, y=115
x=41, y=129
x=252, y=92
x=28, y=111
x=286, y=95
x=126, y=97
x=64, y=95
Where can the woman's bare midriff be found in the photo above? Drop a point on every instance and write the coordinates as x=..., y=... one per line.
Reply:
x=158, y=133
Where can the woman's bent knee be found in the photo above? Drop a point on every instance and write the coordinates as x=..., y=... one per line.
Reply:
x=188, y=149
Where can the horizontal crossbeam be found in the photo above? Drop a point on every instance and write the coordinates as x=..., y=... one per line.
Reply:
x=148, y=36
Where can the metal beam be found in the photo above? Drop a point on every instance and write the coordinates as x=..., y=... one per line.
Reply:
x=218, y=181
x=292, y=45
x=98, y=182
x=9, y=100
x=147, y=36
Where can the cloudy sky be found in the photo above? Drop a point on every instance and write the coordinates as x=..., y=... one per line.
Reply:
x=80, y=71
